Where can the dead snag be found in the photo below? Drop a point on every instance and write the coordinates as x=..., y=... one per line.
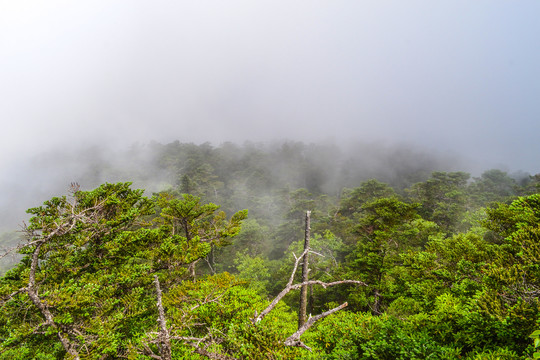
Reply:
x=302, y=310
x=294, y=339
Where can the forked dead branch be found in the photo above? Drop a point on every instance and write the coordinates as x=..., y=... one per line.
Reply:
x=201, y=345
x=294, y=339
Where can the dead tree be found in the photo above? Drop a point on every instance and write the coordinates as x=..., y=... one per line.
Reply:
x=294, y=339
x=201, y=345
x=302, y=311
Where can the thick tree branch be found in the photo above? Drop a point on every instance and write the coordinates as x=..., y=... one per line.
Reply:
x=294, y=339
x=10, y=296
x=283, y=292
x=325, y=284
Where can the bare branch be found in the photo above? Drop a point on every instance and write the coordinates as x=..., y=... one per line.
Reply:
x=208, y=301
x=75, y=187
x=148, y=352
x=296, y=263
x=42, y=306
x=164, y=335
x=9, y=251
x=325, y=285
x=10, y=296
x=189, y=339
x=316, y=253
x=289, y=287
x=283, y=292
x=294, y=339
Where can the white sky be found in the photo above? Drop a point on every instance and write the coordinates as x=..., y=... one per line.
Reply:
x=450, y=75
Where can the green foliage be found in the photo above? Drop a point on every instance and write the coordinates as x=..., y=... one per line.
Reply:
x=493, y=186
x=254, y=240
x=447, y=279
x=98, y=254
x=442, y=197
x=513, y=277
x=226, y=305
x=386, y=228
x=536, y=340
x=362, y=336
x=515, y=271
x=254, y=270
x=352, y=200
x=498, y=354
x=447, y=264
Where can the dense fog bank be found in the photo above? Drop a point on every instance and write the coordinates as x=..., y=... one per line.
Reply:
x=324, y=167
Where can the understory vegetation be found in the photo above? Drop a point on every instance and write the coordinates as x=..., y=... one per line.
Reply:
x=406, y=261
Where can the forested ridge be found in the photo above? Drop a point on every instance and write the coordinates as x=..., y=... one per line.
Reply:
x=407, y=259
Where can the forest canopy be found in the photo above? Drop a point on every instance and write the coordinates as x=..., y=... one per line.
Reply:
x=436, y=265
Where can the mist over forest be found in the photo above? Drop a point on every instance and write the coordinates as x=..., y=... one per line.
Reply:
x=244, y=180
x=322, y=168
x=453, y=83
x=405, y=245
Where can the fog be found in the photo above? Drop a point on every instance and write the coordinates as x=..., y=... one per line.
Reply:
x=456, y=78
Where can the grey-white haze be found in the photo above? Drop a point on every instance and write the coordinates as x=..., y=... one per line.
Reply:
x=459, y=77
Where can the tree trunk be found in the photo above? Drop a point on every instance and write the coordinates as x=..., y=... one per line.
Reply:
x=376, y=310
x=164, y=336
x=310, y=299
x=43, y=308
x=305, y=277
